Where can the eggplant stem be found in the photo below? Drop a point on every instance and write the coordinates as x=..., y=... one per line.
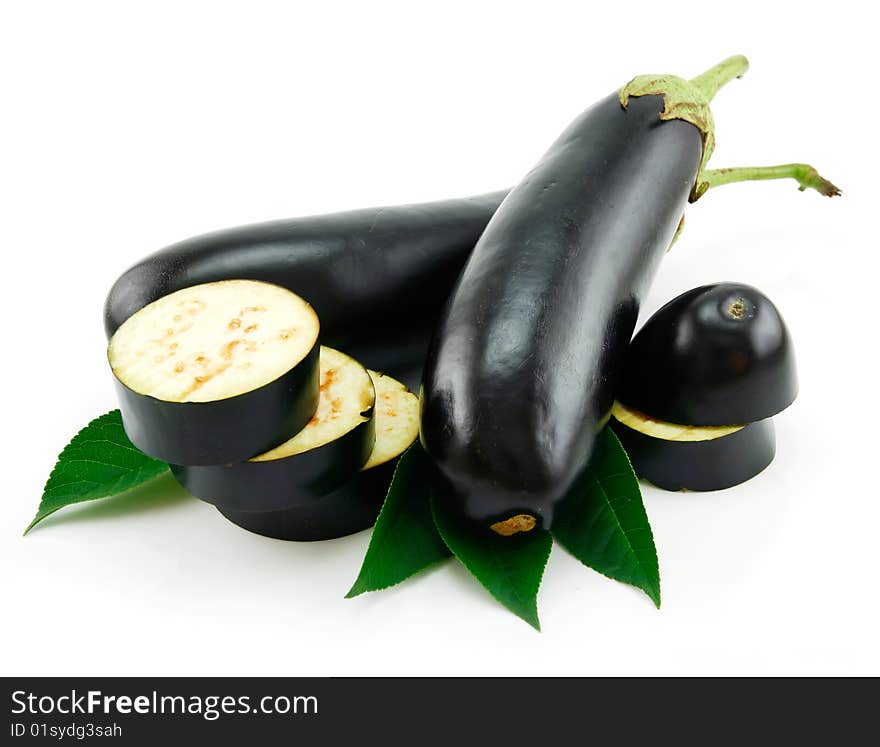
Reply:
x=805, y=175
x=715, y=78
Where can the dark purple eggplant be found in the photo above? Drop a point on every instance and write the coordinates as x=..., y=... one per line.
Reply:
x=519, y=376
x=715, y=355
x=523, y=367
x=377, y=278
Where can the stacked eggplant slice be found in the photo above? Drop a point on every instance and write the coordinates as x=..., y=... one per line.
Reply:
x=353, y=502
x=216, y=372
x=702, y=380
x=228, y=383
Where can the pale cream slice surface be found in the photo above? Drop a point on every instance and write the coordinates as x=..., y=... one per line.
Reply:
x=346, y=398
x=642, y=423
x=213, y=341
x=397, y=419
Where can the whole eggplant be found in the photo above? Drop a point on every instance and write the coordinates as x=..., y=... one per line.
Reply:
x=520, y=375
x=522, y=370
x=378, y=277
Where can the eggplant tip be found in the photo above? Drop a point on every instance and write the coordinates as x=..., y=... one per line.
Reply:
x=514, y=525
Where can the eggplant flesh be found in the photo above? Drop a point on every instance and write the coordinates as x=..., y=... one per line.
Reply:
x=331, y=448
x=667, y=431
x=216, y=373
x=521, y=373
x=714, y=355
x=393, y=266
x=713, y=464
x=354, y=505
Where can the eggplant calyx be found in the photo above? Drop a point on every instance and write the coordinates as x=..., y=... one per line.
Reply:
x=689, y=101
x=514, y=525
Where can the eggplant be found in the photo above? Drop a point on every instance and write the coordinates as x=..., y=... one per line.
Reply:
x=521, y=372
x=377, y=278
x=715, y=355
x=702, y=379
x=331, y=448
x=401, y=354
x=353, y=506
x=699, y=458
x=216, y=372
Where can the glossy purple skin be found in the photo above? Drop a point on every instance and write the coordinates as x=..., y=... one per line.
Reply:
x=378, y=277
x=523, y=366
x=700, y=465
x=719, y=354
x=367, y=273
x=284, y=483
x=350, y=508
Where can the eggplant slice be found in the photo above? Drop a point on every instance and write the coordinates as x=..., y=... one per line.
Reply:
x=699, y=458
x=397, y=420
x=218, y=372
x=332, y=447
x=355, y=505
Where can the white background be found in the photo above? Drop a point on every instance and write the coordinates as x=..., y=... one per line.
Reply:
x=128, y=126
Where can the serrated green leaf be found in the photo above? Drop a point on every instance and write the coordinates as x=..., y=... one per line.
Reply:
x=603, y=523
x=99, y=462
x=511, y=568
x=404, y=540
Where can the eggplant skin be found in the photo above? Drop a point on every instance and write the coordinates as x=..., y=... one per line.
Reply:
x=308, y=517
x=279, y=484
x=715, y=355
x=521, y=373
x=367, y=273
x=401, y=355
x=700, y=465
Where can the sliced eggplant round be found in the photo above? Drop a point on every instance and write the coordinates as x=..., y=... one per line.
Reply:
x=350, y=508
x=332, y=447
x=700, y=458
x=717, y=354
x=218, y=372
x=353, y=506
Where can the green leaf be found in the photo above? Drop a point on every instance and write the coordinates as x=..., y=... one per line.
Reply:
x=404, y=540
x=602, y=521
x=510, y=568
x=99, y=462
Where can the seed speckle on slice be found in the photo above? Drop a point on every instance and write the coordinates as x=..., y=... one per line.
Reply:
x=346, y=394
x=189, y=345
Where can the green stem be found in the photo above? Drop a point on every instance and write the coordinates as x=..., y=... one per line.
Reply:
x=715, y=78
x=805, y=175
